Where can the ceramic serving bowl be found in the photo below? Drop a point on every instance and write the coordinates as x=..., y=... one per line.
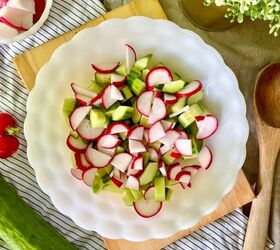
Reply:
x=45, y=129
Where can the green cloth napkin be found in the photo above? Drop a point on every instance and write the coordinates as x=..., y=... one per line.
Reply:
x=246, y=49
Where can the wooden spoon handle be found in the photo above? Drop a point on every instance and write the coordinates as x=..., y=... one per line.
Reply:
x=257, y=227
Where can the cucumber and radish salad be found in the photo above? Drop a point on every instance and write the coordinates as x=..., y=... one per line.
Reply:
x=138, y=130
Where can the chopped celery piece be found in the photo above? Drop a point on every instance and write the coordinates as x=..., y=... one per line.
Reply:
x=119, y=149
x=94, y=87
x=137, y=86
x=168, y=193
x=149, y=173
x=188, y=117
x=122, y=113
x=121, y=70
x=136, y=116
x=97, y=118
x=109, y=112
x=173, y=87
x=144, y=74
x=69, y=105
x=137, y=194
x=144, y=121
x=167, y=158
x=128, y=197
x=102, y=79
x=146, y=158
x=195, y=98
x=97, y=185
x=176, y=76
x=143, y=62
x=181, y=103
x=159, y=183
x=123, y=135
x=127, y=93
x=111, y=187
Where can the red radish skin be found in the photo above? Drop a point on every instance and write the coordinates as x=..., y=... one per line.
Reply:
x=107, y=101
x=170, y=99
x=175, y=154
x=207, y=127
x=183, y=176
x=136, y=133
x=105, y=68
x=117, y=80
x=199, y=118
x=191, y=89
x=77, y=173
x=130, y=56
x=8, y=146
x=173, y=170
x=135, y=146
x=156, y=132
x=122, y=161
x=132, y=183
x=6, y=122
x=89, y=175
x=138, y=163
x=184, y=146
x=117, y=127
x=78, y=115
x=158, y=94
x=158, y=111
x=158, y=75
x=80, y=162
x=134, y=172
x=96, y=101
x=87, y=132
x=144, y=103
x=83, y=100
x=96, y=158
x=39, y=9
x=147, y=208
x=5, y=21
x=76, y=145
x=205, y=157
x=116, y=181
x=81, y=91
x=185, y=185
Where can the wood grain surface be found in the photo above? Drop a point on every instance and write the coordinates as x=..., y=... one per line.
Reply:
x=28, y=65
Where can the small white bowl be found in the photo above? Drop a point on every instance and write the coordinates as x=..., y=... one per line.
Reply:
x=32, y=30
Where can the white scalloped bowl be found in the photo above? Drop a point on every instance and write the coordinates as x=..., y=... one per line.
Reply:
x=45, y=128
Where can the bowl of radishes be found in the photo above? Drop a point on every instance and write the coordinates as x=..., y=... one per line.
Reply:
x=141, y=134
x=21, y=18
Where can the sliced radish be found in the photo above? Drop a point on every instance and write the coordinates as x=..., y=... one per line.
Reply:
x=183, y=176
x=154, y=156
x=132, y=183
x=96, y=101
x=76, y=145
x=207, y=127
x=158, y=75
x=96, y=158
x=164, y=149
x=193, y=169
x=105, y=68
x=7, y=31
x=175, y=154
x=78, y=115
x=138, y=163
x=13, y=17
x=77, y=173
x=144, y=103
x=81, y=162
x=79, y=90
x=116, y=173
x=25, y=5
x=130, y=57
x=122, y=161
x=173, y=170
x=136, y=133
x=83, y=99
x=107, y=151
x=183, y=134
x=87, y=132
x=117, y=181
x=166, y=125
x=184, y=146
x=149, y=193
x=162, y=168
x=156, y=132
x=147, y=208
x=89, y=175
x=107, y=100
x=158, y=111
x=186, y=108
x=191, y=89
x=205, y=157
x=185, y=185
x=170, y=137
x=199, y=118
x=116, y=94
x=134, y=172
x=158, y=94
x=118, y=80
x=117, y=127
x=169, y=99
x=146, y=135
x=27, y=22
x=135, y=146
x=108, y=141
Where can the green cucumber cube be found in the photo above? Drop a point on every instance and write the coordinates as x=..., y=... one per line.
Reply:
x=137, y=86
x=143, y=62
x=97, y=118
x=149, y=173
x=119, y=149
x=181, y=103
x=94, y=87
x=146, y=158
x=195, y=98
x=102, y=79
x=69, y=105
x=121, y=70
x=167, y=158
x=168, y=193
x=128, y=197
x=109, y=112
x=136, y=116
x=173, y=87
x=144, y=122
x=127, y=93
x=159, y=183
x=112, y=187
x=97, y=185
x=122, y=113
x=144, y=74
x=137, y=194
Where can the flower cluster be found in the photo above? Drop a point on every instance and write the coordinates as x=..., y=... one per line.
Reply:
x=256, y=9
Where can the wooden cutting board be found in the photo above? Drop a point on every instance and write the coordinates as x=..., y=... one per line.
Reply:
x=28, y=65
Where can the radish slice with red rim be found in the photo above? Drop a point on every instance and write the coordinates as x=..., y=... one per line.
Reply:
x=149, y=193
x=87, y=132
x=147, y=208
x=135, y=146
x=25, y=5
x=105, y=68
x=185, y=185
x=162, y=168
x=132, y=183
x=205, y=157
x=96, y=101
x=78, y=115
x=81, y=162
x=158, y=111
x=122, y=161
x=154, y=156
x=190, y=89
x=81, y=91
x=138, y=163
x=173, y=170
x=144, y=103
x=169, y=99
x=107, y=100
x=158, y=75
x=96, y=158
x=207, y=127
x=116, y=94
x=76, y=145
x=89, y=175
x=164, y=149
x=156, y=132
x=170, y=137
x=130, y=57
x=83, y=99
x=183, y=176
x=77, y=173
x=118, y=80
x=108, y=141
x=175, y=154
x=117, y=181
x=136, y=133
x=184, y=146
x=117, y=127
x=186, y=108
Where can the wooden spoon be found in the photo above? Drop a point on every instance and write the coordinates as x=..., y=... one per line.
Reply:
x=267, y=116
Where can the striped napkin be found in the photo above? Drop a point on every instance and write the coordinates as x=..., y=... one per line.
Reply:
x=225, y=233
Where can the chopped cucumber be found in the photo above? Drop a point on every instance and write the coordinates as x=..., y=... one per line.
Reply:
x=127, y=93
x=196, y=147
x=137, y=194
x=144, y=121
x=137, y=86
x=122, y=113
x=146, y=158
x=181, y=103
x=97, y=185
x=119, y=149
x=104, y=173
x=144, y=74
x=188, y=117
x=136, y=116
x=167, y=158
x=102, y=79
x=195, y=98
x=121, y=70
x=143, y=62
x=111, y=187
x=94, y=87
x=168, y=193
x=173, y=87
x=171, y=182
x=128, y=197
x=159, y=188
x=144, y=187
x=69, y=105
x=109, y=112
x=192, y=129
x=97, y=118
x=149, y=173
x=155, y=145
